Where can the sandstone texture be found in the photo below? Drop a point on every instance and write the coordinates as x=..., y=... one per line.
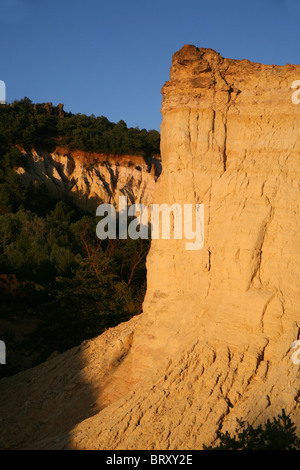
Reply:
x=90, y=179
x=215, y=340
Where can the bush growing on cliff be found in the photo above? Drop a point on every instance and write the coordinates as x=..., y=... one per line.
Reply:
x=278, y=434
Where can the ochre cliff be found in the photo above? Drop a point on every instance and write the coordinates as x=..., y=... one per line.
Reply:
x=214, y=341
x=90, y=179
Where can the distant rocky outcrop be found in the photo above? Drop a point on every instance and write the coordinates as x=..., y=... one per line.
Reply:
x=90, y=179
x=215, y=340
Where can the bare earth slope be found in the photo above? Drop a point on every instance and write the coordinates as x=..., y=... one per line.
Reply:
x=214, y=342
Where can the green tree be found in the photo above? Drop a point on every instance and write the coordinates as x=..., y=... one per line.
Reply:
x=13, y=193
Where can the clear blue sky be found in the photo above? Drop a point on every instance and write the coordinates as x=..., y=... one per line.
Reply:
x=112, y=57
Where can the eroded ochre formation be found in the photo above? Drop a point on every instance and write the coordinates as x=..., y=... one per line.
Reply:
x=214, y=341
x=90, y=179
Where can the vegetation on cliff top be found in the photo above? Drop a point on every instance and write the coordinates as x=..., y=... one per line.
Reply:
x=45, y=126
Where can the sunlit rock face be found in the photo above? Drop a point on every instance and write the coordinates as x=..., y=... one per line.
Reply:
x=90, y=179
x=215, y=339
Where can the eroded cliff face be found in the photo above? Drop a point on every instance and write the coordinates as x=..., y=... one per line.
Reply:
x=90, y=179
x=214, y=341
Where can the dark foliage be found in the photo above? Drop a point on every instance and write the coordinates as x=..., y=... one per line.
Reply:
x=57, y=274
x=278, y=434
x=45, y=126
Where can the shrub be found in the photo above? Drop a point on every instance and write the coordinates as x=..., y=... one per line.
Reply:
x=278, y=434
